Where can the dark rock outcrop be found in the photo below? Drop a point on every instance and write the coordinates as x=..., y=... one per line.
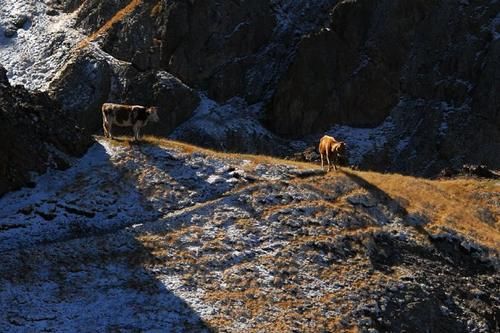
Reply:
x=224, y=48
x=436, y=62
x=373, y=52
x=83, y=86
x=431, y=65
x=209, y=44
x=95, y=78
x=480, y=171
x=34, y=135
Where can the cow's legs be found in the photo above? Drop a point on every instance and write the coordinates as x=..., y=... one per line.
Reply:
x=104, y=127
x=136, y=129
x=107, y=129
x=110, y=126
x=328, y=160
x=322, y=161
x=336, y=159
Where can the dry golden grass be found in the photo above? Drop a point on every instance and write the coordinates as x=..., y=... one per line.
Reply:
x=453, y=204
x=446, y=203
x=253, y=159
x=157, y=8
x=119, y=16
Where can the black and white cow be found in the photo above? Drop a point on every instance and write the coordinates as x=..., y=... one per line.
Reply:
x=135, y=116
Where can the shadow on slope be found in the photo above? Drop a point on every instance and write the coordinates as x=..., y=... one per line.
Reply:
x=436, y=269
x=283, y=253
x=87, y=285
x=66, y=264
x=446, y=251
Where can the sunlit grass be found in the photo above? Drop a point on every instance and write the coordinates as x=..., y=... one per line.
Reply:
x=119, y=16
x=460, y=204
x=455, y=203
x=252, y=158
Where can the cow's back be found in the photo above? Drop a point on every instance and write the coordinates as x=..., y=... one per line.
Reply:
x=324, y=143
x=123, y=115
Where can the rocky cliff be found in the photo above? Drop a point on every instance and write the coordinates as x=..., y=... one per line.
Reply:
x=432, y=65
x=418, y=79
x=34, y=135
x=219, y=50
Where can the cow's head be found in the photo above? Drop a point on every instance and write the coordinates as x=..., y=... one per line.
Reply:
x=339, y=148
x=341, y=153
x=153, y=114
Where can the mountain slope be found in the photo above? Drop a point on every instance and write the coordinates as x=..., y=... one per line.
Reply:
x=166, y=236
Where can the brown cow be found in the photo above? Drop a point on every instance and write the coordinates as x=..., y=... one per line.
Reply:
x=122, y=115
x=329, y=144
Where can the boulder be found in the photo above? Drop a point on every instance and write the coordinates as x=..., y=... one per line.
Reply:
x=34, y=135
x=93, y=78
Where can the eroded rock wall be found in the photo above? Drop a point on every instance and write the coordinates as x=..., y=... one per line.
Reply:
x=431, y=65
x=226, y=49
x=34, y=135
x=374, y=52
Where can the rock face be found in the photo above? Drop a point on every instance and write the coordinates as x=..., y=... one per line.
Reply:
x=96, y=78
x=241, y=130
x=225, y=49
x=372, y=53
x=34, y=135
x=431, y=64
x=211, y=44
x=429, y=68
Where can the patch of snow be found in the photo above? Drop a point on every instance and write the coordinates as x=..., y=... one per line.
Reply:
x=113, y=303
x=222, y=123
x=111, y=187
x=194, y=299
x=361, y=141
x=166, y=79
x=36, y=52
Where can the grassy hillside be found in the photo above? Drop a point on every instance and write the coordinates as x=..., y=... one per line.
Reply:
x=168, y=236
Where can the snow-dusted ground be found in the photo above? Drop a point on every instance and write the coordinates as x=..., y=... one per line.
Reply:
x=228, y=126
x=236, y=116
x=34, y=54
x=71, y=231
x=147, y=238
x=111, y=187
x=361, y=141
